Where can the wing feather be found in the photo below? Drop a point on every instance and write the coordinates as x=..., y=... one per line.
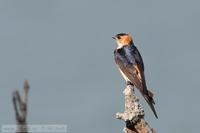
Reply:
x=131, y=72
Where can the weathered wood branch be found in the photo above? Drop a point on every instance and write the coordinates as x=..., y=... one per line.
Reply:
x=133, y=114
x=20, y=108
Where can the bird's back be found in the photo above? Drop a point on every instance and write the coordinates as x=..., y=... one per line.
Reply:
x=129, y=55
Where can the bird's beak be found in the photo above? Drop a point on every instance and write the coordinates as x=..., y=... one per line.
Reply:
x=113, y=38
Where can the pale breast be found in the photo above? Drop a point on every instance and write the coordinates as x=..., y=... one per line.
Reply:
x=124, y=76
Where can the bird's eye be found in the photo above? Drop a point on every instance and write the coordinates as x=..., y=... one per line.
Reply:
x=118, y=37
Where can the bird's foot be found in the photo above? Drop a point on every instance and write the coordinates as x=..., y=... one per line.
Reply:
x=129, y=83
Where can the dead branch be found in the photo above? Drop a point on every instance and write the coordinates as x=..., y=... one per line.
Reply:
x=133, y=114
x=20, y=108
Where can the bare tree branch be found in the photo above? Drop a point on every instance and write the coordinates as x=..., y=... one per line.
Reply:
x=133, y=114
x=20, y=108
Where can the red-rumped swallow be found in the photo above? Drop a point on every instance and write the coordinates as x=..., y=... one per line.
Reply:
x=130, y=64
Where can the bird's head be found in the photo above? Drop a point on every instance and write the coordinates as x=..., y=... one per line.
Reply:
x=123, y=39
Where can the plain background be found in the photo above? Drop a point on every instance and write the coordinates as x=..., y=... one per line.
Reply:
x=65, y=50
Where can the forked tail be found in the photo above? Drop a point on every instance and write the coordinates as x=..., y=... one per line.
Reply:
x=149, y=98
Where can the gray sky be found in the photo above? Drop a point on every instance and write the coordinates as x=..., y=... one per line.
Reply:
x=65, y=50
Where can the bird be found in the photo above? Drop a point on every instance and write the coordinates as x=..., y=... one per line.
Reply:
x=130, y=64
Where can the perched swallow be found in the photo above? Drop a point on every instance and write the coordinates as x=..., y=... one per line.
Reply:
x=130, y=64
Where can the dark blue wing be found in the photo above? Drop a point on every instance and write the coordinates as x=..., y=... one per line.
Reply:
x=127, y=64
x=133, y=55
x=138, y=58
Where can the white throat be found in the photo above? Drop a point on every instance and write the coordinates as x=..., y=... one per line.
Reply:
x=120, y=45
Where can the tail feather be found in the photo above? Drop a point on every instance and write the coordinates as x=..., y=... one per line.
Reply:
x=150, y=93
x=150, y=102
x=151, y=96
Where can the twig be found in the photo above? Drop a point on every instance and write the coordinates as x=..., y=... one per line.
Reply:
x=20, y=108
x=133, y=114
